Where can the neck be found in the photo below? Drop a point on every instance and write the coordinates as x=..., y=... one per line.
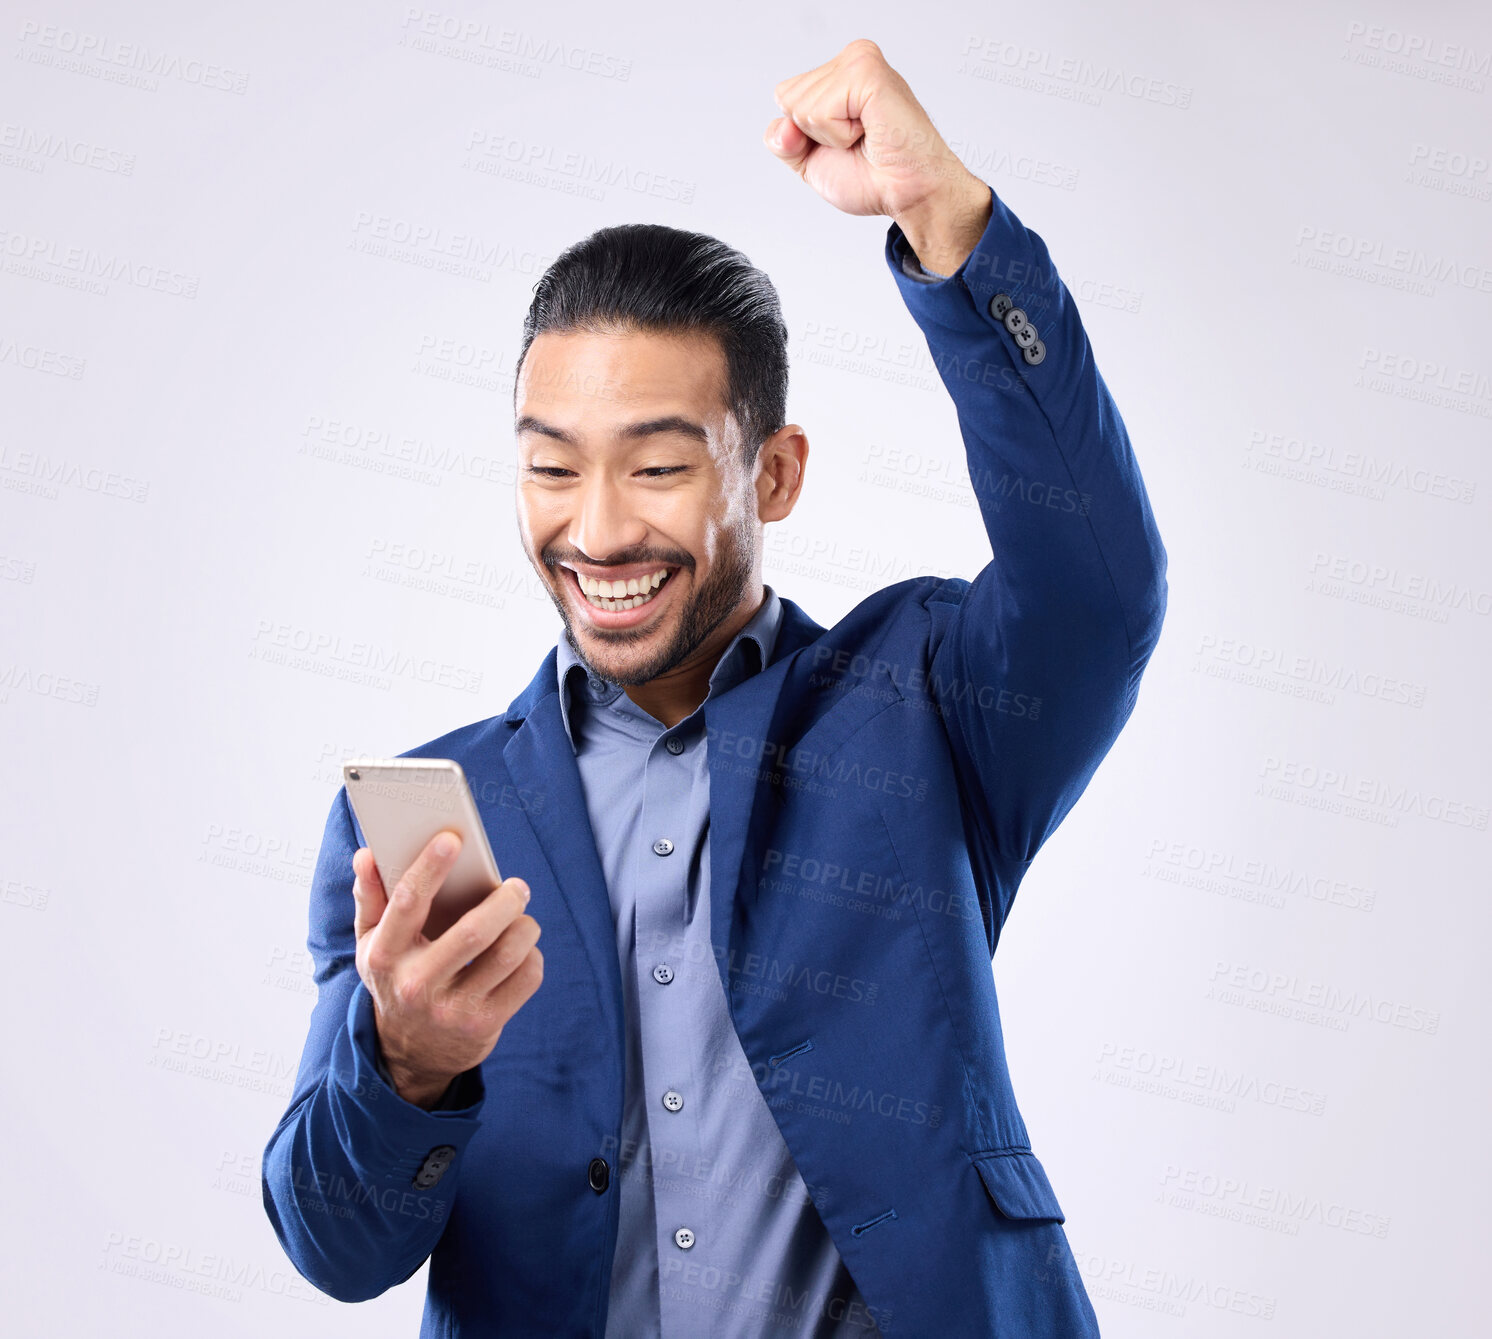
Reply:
x=671, y=697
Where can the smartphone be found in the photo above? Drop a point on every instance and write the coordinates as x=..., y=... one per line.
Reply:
x=400, y=804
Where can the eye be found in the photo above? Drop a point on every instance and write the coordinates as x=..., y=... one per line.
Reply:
x=655, y=471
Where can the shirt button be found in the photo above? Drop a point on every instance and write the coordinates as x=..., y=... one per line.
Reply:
x=597, y=684
x=672, y=1100
x=663, y=973
x=662, y=846
x=674, y=744
x=683, y=1238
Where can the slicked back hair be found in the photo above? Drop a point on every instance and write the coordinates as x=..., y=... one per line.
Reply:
x=652, y=278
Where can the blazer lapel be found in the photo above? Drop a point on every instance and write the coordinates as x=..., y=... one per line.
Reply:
x=541, y=761
x=741, y=755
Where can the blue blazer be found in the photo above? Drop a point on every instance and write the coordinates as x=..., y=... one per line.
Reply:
x=877, y=793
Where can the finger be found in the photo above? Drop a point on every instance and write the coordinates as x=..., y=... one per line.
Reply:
x=791, y=88
x=787, y=88
x=368, y=897
x=821, y=123
x=409, y=902
x=787, y=142
x=826, y=104
x=475, y=931
x=514, y=991
x=496, y=963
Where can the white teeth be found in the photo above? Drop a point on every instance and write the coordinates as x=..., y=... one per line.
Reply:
x=618, y=595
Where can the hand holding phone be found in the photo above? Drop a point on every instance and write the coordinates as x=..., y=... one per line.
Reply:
x=401, y=803
x=441, y=1004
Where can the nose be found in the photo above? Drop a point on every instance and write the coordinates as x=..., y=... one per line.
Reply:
x=604, y=522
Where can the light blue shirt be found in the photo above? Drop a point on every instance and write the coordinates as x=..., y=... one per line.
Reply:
x=717, y=1232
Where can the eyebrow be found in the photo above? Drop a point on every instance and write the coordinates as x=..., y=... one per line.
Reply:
x=631, y=432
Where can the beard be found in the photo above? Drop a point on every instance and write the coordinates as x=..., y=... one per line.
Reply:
x=705, y=609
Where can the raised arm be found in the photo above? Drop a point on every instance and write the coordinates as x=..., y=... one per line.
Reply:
x=1036, y=663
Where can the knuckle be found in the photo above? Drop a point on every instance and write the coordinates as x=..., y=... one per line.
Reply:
x=409, y=992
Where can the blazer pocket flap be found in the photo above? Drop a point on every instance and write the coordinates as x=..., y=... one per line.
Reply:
x=1018, y=1184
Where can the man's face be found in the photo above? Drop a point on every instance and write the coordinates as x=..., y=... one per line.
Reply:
x=629, y=466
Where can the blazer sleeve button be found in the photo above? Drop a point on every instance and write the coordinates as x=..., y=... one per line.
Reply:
x=434, y=1166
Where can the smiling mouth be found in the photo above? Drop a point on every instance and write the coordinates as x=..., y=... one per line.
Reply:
x=647, y=591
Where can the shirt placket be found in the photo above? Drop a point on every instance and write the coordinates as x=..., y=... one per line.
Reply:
x=668, y=984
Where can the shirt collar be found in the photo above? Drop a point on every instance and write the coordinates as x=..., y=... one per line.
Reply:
x=749, y=652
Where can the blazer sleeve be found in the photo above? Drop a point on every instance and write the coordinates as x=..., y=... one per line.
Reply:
x=346, y=1181
x=1035, y=664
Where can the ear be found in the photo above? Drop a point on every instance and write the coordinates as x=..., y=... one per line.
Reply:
x=779, y=472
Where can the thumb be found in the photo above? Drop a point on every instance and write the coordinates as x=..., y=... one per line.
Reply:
x=368, y=894
x=787, y=142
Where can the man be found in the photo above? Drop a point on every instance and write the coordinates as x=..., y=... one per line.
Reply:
x=755, y=1083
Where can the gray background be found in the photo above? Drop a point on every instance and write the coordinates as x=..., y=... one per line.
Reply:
x=262, y=276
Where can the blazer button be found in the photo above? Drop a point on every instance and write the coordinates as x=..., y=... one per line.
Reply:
x=434, y=1166
x=599, y=1175
x=1015, y=318
x=1034, y=353
x=999, y=305
x=1026, y=336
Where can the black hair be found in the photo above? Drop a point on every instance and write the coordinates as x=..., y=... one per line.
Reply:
x=650, y=277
